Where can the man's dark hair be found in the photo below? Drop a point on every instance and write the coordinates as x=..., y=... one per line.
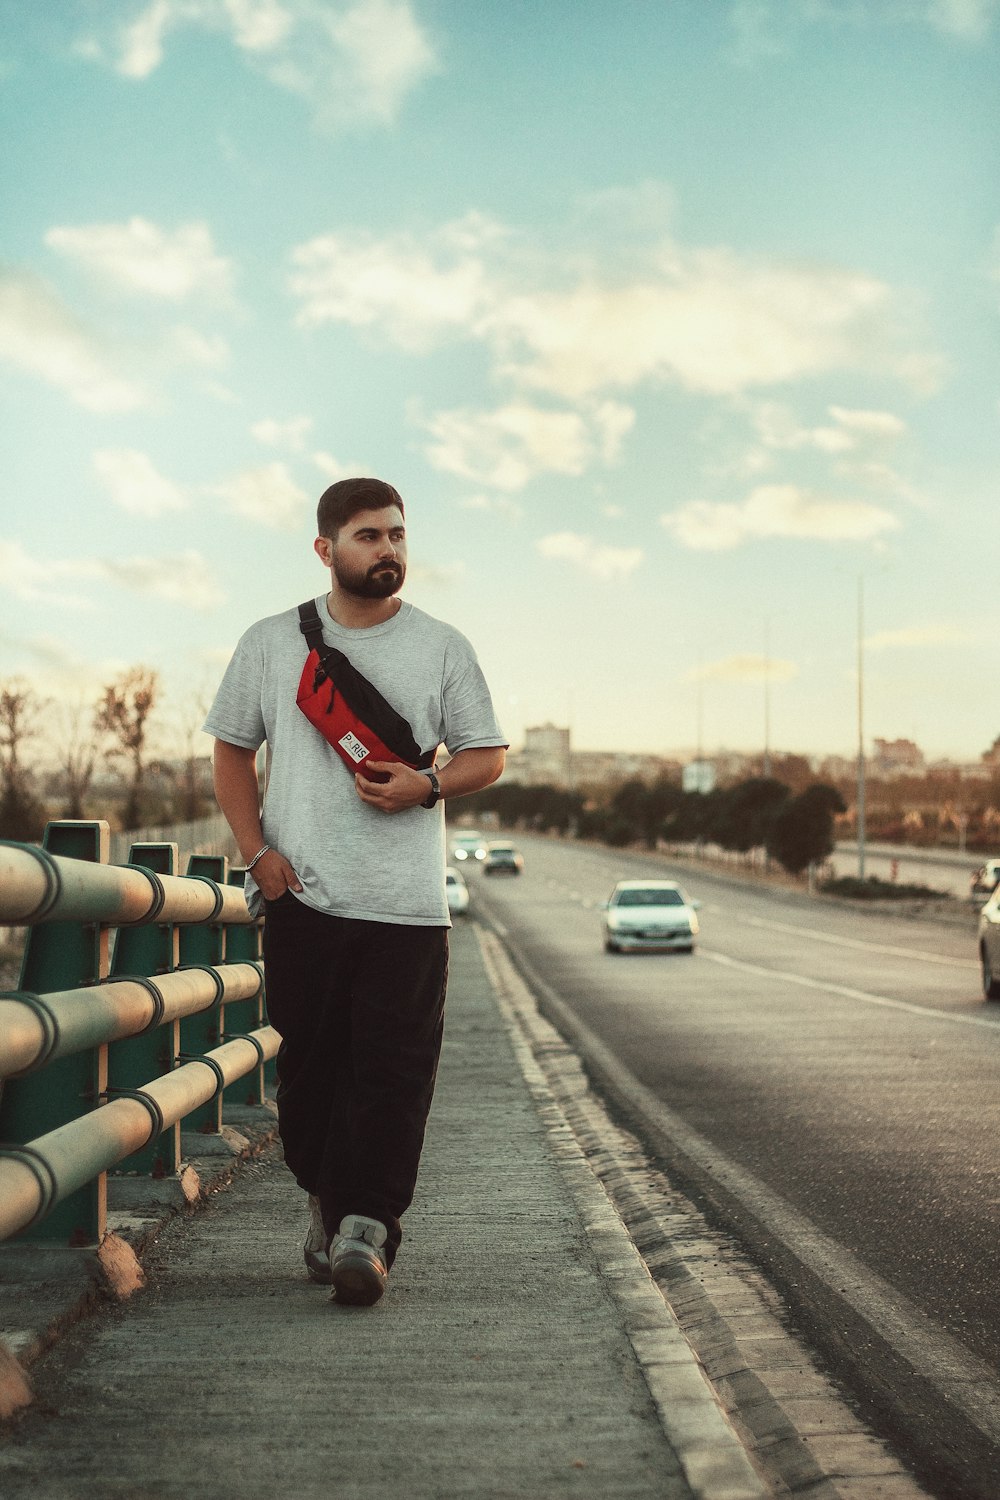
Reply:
x=349, y=496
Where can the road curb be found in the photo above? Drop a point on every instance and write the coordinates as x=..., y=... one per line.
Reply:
x=712, y=1457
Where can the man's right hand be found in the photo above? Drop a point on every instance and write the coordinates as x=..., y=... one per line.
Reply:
x=274, y=876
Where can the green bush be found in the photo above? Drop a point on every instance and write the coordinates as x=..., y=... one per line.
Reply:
x=873, y=889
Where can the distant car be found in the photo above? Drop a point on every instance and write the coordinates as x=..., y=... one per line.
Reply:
x=457, y=892
x=502, y=859
x=989, y=946
x=985, y=881
x=649, y=914
x=468, y=845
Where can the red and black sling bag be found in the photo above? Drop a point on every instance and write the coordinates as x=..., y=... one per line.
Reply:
x=348, y=710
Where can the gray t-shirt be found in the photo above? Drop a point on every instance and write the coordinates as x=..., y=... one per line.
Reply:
x=353, y=860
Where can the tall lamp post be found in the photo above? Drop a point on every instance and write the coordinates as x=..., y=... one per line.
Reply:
x=861, y=727
x=767, y=697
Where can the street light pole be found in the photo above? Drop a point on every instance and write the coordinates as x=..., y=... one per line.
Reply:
x=861, y=727
x=767, y=697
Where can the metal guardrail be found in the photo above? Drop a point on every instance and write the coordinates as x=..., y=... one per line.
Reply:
x=105, y=1049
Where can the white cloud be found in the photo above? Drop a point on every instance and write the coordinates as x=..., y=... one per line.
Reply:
x=135, y=484
x=604, y=562
x=333, y=469
x=919, y=636
x=848, y=430
x=259, y=25
x=49, y=579
x=355, y=63
x=416, y=294
x=876, y=425
x=268, y=496
x=764, y=29
x=191, y=347
x=745, y=668
x=434, y=576
x=508, y=447
x=705, y=319
x=141, y=257
x=185, y=578
x=969, y=19
x=39, y=334
x=385, y=51
x=776, y=510
x=141, y=41
x=493, y=504
x=290, y=434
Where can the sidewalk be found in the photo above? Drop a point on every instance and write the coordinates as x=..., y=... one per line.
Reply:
x=521, y=1350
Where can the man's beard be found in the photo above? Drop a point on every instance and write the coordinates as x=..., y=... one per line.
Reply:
x=380, y=582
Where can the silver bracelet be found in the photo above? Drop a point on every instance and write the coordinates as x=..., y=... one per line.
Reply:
x=259, y=855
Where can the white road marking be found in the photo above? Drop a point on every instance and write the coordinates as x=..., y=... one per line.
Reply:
x=918, y=954
x=851, y=994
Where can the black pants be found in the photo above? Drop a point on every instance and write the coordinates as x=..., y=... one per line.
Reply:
x=360, y=1009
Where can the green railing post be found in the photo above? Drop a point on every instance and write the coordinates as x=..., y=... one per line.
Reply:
x=243, y=943
x=142, y=953
x=204, y=943
x=64, y=956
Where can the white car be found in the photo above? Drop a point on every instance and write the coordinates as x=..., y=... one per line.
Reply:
x=457, y=892
x=985, y=881
x=468, y=845
x=989, y=946
x=643, y=915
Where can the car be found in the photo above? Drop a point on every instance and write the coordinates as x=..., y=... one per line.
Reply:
x=502, y=859
x=643, y=915
x=988, y=942
x=468, y=845
x=985, y=880
x=457, y=891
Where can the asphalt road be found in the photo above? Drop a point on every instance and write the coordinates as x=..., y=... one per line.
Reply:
x=828, y=1079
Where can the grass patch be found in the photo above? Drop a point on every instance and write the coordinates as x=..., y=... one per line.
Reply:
x=873, y=889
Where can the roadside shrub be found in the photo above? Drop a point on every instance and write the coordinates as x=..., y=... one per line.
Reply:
x=874, y=889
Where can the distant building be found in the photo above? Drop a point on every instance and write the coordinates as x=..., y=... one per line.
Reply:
x=962, y=770
x=837, y=767
x=597, y=766
x=897, y=758
x=548, y=758
x=699, y=776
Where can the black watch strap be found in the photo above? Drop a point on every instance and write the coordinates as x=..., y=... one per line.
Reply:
x=434, y=795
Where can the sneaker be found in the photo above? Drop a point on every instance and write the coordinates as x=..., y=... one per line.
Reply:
x=314, y=1250
x=357, y=1261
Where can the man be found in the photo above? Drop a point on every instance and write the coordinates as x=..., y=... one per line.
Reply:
x=349, y=870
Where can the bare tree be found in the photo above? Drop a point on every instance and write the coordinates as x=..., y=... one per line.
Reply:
x=21, y=814
x=123, y=712
x=191, y=802
x=78, y=751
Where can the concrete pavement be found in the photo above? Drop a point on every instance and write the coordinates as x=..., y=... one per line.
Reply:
x=522, y=1349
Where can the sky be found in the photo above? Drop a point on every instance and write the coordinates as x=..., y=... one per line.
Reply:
x=674, y=322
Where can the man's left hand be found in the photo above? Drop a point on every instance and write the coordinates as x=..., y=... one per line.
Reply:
x=405, y=788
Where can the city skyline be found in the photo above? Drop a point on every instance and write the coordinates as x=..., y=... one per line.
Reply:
x=670, y=332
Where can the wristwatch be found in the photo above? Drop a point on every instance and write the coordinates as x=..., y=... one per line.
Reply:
x=434, y=796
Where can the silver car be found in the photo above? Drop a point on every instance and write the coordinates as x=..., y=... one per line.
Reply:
x=649, y=914
x=989, y=946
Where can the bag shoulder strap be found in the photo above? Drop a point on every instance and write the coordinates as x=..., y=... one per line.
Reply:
x=361, y=695
x=310, y=626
